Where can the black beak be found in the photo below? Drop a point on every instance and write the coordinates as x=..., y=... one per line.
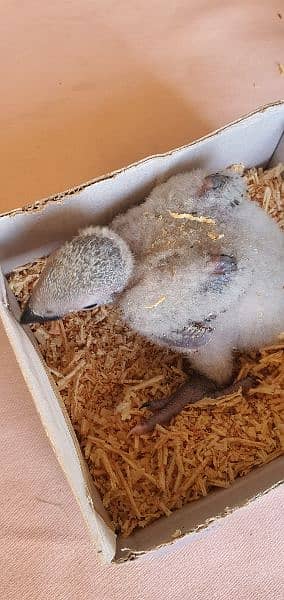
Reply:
x=28, y=316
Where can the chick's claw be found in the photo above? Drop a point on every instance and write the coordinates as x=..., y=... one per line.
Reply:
x=156, y=405
x=167, y=408
x=189, y=393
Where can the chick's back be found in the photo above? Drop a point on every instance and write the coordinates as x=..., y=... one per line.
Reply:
x=174, y=259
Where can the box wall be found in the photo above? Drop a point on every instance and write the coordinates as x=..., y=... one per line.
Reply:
x=27, y=234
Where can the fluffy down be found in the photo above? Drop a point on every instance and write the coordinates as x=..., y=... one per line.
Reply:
x=174, y=285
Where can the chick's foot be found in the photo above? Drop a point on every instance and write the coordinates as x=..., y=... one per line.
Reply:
x=189, y=393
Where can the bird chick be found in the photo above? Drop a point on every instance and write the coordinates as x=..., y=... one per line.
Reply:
x=196, y=267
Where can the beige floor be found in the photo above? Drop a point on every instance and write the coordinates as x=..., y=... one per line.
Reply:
x=88, y=87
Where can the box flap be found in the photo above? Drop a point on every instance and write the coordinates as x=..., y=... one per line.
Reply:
x=203, y=513
x=59, y=429
x=278, y=155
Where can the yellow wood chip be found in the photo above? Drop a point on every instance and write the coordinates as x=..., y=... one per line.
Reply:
x=190, y=217
x=159, y=301
x=215, y=236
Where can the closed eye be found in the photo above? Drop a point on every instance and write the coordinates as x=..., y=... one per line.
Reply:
x=90, y=306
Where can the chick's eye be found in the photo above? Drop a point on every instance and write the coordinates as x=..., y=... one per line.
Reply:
x=90, y=306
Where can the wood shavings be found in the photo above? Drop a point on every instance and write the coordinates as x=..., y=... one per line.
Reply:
x=176, y=534
x=105, y=373
x=159, y=301
x=190, y=217
x=124, y=408
x=215, y=236
x=146, y=383
x=238, y=168
x=259, y=181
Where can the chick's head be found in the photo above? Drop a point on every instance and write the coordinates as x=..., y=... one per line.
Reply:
x=85, y=272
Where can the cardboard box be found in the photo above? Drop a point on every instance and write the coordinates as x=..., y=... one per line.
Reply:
x=28, y=233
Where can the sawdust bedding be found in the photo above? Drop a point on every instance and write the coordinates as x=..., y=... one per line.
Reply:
x=105, y=372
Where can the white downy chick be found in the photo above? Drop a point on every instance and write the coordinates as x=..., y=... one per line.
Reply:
x=197, y=267
x=205, y=286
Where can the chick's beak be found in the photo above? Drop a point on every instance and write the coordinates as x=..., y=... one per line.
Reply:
x=28, y=316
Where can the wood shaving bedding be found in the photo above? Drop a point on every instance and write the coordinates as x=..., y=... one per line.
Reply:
x=105, y=372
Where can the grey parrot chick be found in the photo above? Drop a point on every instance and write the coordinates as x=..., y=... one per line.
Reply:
x=196, y=267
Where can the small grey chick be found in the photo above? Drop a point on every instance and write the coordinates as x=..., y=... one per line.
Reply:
x=196, y=267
